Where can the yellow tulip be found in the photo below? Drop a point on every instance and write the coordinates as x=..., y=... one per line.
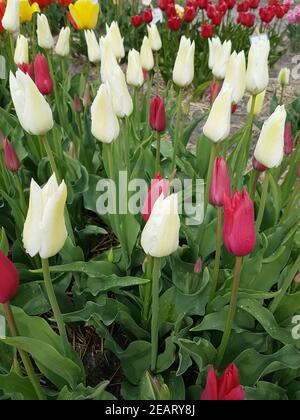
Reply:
x=27, y=10
x=85, y=13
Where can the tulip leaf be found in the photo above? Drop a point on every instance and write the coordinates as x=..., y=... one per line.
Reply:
x=17, y=387
x=82, y=393
x=91, y=268
x=200, y=351
x=101, y=284
x=265, y=391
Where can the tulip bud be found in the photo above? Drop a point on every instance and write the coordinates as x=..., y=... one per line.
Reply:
x=92, y=46
x=183, y=72
x=136, y=21
x=236, y=75
x=220, y=182
x=284, y=77
x=45, y=231
x=42, y=76
x=159, y=186
x=77, y=104
x=11, y=160
x=157, y=114
x=288, y=139
x=147, y=59
x=221, y=61
x=105, y=124
x=32, y=109
x=174, y=23
x=62, y=47
x=45, y=39
x=258, y=166
x=27, y=69
x=134, y=73
x=259, y=103
x=257, y=78
x=116, y=40
x=147, y=15
x=269, y=149
x=86, y=101
x=198, y=266
x=11, y=18
x=21, y=51
x=108, y=59
x=215, y=47
x=228, y=387
x=160, y=236
x=207, y=30
x=217, y=126
x=121, y=99
x=154, y=37
x=239, y=224
x=9, y=279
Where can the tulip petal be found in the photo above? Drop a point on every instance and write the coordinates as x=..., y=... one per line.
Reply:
x=32, y=226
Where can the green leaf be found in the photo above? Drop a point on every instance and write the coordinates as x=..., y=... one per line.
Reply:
x=4, y=245
x=17, y=387
x=95, y=286
x=265, y=391
x=82, y=393
x=201, y=351
x=90, y=268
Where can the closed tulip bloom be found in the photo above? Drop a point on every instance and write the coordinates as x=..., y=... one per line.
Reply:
x=27, y=69
x=269, y=149
x=42, y=76
x=85, y=13
x=9, y=279
x=32, y=109
x=288, y=139
x=147, y=59
x=116, y=40
x=236, y=75
x=62, y=47
x=11, y=160
x=27, y=9
x=105, y=124
x=121, y=99
x=11, y=18
x=239, y=224
x=259, y=103
x=257, y=78
x=215, y=46
x=134, y=75
x=158, y=119
x=183, y=72
x=108, y=59
x=21, y=51
x=284, y=76
x=221, y=60
x=220, y=182
x=160, y=236
x=159, y=186
x=217, y=126
x=45, y=231
x=92, y=46
x=154, y=37
x=227, y=388
x=45, y=38
x=77, y=104
x=258, y=166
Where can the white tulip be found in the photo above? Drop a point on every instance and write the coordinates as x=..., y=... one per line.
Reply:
x=134, y=75
x=21, y=51
x=221, y=60
x=32, y=109
x=62, y=47
x=147, y=59
x=257, y=78
x=154, y=37
x=108, y=59
x=236, y=75
x=116, y=40
x=121, y=99
x=269, y=149
x=215, y=47
x=11, y=17
x=160, y=236
x=183, y=72
x=45, y=231
x=259, y=103
x=217, y=126
x=93, y=46
x=45, y=38
x=105, y=124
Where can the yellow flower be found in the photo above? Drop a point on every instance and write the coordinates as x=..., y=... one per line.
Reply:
x=180, y=10
x=85, y=13
x=27, y=10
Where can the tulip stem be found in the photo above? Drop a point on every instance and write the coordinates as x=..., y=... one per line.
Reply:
x=155, y=313
x=231, y=311
x=215, y=274
x=213, y=154
x=147, y=290
x=51, y=159
x=157, y=161
x=24, y=356
x=254, y=184
x=54, y=305
x=177, y=129
x=263, y=201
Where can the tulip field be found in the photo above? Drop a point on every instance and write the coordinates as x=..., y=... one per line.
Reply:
x=150, y=202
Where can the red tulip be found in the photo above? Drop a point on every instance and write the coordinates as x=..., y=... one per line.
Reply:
x=280, y=11
x=266, y=14
x=9, y=279
x=42, y=77
x=163, y=4
x=26, y=68
x=207, y=30
x=136, y=21
x=288, y=139
x=202, y=4
x=239, y=228
x=157, y=114
x=11, y=159
x=214, y=90
x=44, y=3
x=220, y=182
x=147, y=15
x=211, y=10
x=246, y=19
x=171, y=11
x=222, y=7
x=174, y=23
x=254, y=4
x=259, y=167
x=65, y=3
x=159, y=186
x=243, y=7
x=231, y=4
x=227, y=388
x=189, y=14
x=2, y=11
x=217, y=18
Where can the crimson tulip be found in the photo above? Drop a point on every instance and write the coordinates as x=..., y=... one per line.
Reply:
x=220, y=182
x=147, y=15
x=157, y=114
x=171, y=11
x=267, y=14
x=231, y=4
x=217, y=18
x=9, y=279
x=2, y=11
x=288, y=139
x=214, y=90
x=254, y=4
x=65, y=3
x=280, y=11
x=246, y=19
x=202, y=4
x=26, y=68
x=222, y=7
x=11, y=160
x=42, y=76
x=211, y=10
x=163, y=4
x=136, y=21
x=239, y=224
x=174, y=23
x=159, y=186
x=189, y=14
x=207, y=30
x=227, y=388
x=259, y=167
x=243, y=6
x=44, y=3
